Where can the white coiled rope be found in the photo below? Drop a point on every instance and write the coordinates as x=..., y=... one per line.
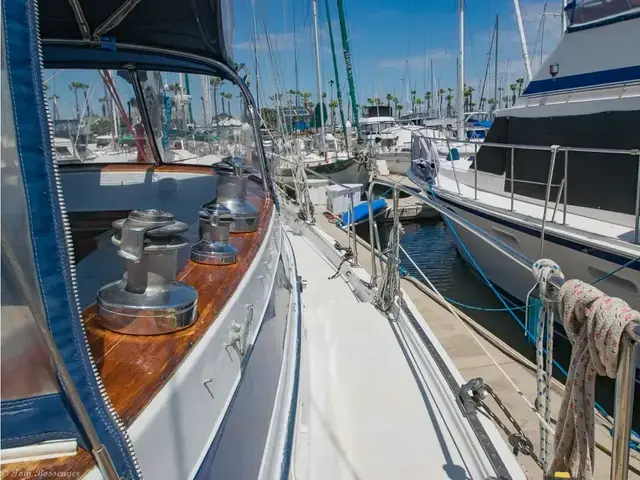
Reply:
x=543, y=270
x=594, y=323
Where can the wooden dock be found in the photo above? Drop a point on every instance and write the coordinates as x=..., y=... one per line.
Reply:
x=457, y=337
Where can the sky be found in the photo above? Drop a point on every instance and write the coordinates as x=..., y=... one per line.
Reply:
x=392, y=43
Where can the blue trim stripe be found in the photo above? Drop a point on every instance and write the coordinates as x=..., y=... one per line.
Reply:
x=51, y=258
x=548, y=237
x=37, y=419
x=584, y=80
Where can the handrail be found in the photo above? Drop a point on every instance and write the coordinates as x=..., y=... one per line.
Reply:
x=625, y=377
x=351, y=227
x=553, y=149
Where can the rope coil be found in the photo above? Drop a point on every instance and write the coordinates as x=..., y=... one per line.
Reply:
x=594, y=323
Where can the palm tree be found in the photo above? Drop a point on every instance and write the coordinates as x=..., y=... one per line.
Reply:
x=305, y=98
x=333, y=104
x=505, y=99
x=389, y=99
x=492, y=104
x=418, y=103
x=395, y=104
x=331, y=82
x=513, y=87
x=413, y=100
x=174, y=88
x=520, y=82
x=468, y=97
x=377, y=101
x=441, y=97
x=500, y=90
x=228, y=96
x=400, y=107
x=215, y=82
x=74, y=87
x=427, y=97
x=223, y=96
x=54, y=100
x=292, y=94
x=103, y=107
x=449, y=100
x=370, y=101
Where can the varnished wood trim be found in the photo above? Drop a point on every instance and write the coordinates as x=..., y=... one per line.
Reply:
x=135, y=368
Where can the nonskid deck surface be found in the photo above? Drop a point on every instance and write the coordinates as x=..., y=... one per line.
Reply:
x=472, y=361
x=363, y=411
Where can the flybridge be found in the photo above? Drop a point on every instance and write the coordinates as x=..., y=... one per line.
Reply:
x=583, y=14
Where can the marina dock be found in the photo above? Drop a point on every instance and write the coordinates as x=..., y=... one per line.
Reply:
x=478, y=353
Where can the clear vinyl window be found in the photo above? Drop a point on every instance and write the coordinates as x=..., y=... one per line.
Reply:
x=194, y=119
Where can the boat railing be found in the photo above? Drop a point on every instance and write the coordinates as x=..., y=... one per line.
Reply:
x=625, y=377
x=351, y=225
x=563, y=186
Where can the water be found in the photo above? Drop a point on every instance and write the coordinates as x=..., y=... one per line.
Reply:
x=431, y=245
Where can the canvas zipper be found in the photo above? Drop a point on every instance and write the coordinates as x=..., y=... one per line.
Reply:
x=121, y=427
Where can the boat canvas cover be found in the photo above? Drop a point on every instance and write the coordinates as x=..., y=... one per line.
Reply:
x=198, y=27
x=424, y=159
x=603, y=181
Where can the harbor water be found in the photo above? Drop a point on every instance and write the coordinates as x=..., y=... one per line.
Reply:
x=432, y=247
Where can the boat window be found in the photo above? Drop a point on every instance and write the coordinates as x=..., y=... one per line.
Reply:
x=96, y=117
x=205, y=120
x=584, y=12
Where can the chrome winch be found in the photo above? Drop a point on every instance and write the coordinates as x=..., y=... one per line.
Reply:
x=214, y=247
x=231, y=191
x=148, y=300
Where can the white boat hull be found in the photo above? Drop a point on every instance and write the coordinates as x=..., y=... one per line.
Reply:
x=347, y=171
x=576, y=261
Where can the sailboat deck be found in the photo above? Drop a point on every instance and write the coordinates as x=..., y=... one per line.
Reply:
x=472, y=361
x=134, y=368
x=369, y=408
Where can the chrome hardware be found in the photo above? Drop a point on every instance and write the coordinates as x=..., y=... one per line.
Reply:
x=213, y=247
x=231, y=191
x=148, y=300
x=240, y=332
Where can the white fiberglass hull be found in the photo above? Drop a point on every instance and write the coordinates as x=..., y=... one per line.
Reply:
x=346, y=171
x=577, y=260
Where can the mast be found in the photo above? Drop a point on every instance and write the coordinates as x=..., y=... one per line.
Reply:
x=295, y=55
x=496, y=93
x=205, y=105
x=523, y=41
x=255, y=53
x=461, y=70
x=347, y=60
x=318, y=73
x=337, y=75
x=188, y=89
x=433, y=84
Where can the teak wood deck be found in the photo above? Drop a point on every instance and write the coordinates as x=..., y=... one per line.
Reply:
x=135, y=368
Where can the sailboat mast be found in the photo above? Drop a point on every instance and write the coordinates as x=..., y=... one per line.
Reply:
x=295, y=55
x=495, y=72
x=523, y=41
x=255, y=53
x=461, y=70
x=433, y=86
x=205, y=105
x=318, y=72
